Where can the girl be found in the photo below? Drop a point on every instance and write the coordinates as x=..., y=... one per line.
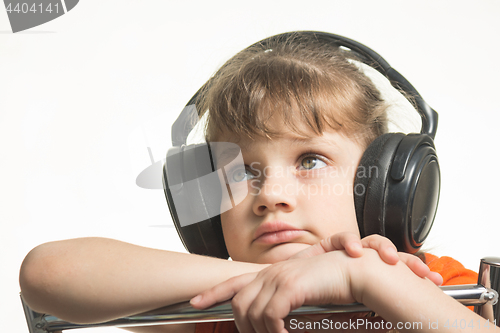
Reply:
x=302, y=114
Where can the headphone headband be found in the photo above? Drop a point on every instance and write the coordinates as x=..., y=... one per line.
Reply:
x=189, y=117
x=398, y=201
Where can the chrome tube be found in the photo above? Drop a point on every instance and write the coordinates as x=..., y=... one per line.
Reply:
x=489, y=276
x=183, y=313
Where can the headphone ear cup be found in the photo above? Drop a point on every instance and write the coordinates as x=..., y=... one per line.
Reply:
x=412, y=194
x=396, y=189
x=370, y=183
x=194, y=213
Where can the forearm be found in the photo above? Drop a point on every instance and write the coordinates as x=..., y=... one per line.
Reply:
x=399, y=296
x=96, y=279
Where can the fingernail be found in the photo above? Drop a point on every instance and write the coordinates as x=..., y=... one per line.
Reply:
x=196, y=299
x=357, y=246
x=393, y=250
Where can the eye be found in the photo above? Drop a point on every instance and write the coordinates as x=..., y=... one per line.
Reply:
x=311, y=162
x=239, y=175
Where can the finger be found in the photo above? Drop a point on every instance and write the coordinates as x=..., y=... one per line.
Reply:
x=275, y=312
x=415, y=264
x=385, y=248
x=259, y=304
x=436, y=278
x=420, y=268
x=347, y=241
x=280, y=306
x=241, y=303
x=342, y=241
x=222, y=292
x=311, y=251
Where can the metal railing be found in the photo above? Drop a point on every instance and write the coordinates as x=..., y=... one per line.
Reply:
x=483, y=296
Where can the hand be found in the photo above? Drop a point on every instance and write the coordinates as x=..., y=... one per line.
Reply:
x=353, y=245
x=261, y=300
x=387, y=251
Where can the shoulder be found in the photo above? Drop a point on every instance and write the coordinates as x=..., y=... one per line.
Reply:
x=452, y=271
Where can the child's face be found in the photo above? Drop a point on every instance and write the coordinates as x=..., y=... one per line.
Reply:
x=300, y=191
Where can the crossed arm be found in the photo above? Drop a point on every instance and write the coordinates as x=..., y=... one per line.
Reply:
x=399, y=292
x=93, y=279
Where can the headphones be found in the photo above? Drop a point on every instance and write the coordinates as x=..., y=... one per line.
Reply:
x=396, y=194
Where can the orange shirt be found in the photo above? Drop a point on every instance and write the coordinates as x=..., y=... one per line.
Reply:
x=452, y=271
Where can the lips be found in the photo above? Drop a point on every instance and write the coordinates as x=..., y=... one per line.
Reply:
x=276, y=232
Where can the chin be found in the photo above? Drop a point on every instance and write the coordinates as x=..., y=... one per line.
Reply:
x=280, y=252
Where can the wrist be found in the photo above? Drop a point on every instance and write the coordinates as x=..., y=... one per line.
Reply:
x=369, y=274
x=235, y=268
x=359, y=272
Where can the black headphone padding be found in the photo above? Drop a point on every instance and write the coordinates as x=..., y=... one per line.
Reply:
x=204, y=237
x=368, y=187
x=396, y=189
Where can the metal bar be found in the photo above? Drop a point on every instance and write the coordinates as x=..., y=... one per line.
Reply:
x=184, y=313
x=489, y=276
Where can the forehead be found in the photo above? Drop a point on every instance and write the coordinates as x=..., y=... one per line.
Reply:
x=331, y=141
x=292, y=125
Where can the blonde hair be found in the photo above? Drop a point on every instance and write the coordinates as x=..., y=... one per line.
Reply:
x=301, y=81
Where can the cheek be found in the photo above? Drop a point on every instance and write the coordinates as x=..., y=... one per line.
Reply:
x=232, y=231
x=331, y=189
x=227, y=227
x=333, y=206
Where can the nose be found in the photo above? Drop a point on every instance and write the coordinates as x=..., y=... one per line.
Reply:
x=276, y=191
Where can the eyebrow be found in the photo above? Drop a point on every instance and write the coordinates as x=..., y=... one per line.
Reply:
x=226, y=155
x=319, y=140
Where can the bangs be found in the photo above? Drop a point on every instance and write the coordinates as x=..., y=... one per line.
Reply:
x=247, y=97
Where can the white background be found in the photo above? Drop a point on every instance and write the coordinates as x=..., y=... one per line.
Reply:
x=83, y=96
